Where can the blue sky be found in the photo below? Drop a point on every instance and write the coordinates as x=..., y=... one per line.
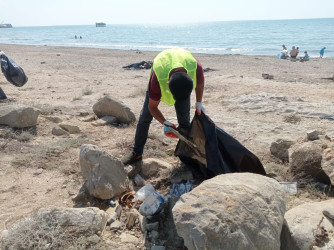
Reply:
x=80, y=12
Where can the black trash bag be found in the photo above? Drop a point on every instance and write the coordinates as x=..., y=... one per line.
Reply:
x=13, y=72
x=2, y=95
x=216, y=151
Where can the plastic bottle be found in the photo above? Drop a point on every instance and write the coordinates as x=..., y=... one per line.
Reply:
x=152, y=200
x=143, y=192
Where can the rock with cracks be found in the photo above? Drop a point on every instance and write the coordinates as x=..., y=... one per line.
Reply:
x=108, y=106
x=303, y=224
x=105, y=175
x=305, y=162
x=18, y=116
x=231, y=211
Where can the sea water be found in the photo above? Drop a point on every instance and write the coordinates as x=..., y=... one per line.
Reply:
x=234, y=37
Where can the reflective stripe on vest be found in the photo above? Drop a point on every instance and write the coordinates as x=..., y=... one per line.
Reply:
x=168, y=60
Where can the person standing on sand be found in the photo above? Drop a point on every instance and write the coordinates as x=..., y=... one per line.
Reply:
x=174, y=74
x=322, y=51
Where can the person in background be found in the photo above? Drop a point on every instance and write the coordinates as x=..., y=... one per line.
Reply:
x=284, y=52
x=293, y=52
x=174, y=74
x=306, y=57
x=322, y=51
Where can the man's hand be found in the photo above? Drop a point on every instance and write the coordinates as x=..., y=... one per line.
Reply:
x=167, y=130
x=200, y=108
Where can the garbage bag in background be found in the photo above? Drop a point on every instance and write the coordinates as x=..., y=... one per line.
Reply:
x=13, y=72
x=216, y=151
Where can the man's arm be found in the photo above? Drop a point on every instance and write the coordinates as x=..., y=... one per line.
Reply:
x=155, y=112
x=199, y=91
x=200, y=82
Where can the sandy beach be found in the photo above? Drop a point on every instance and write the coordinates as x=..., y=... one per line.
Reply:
x=66, y=83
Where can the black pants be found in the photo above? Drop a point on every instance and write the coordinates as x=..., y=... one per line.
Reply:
x=182, y=109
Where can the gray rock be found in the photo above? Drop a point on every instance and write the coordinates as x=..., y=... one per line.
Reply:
x=154, y=236
x=301, y=223
x=305, y=161
x=72, y=129
x=152, y=167
x=131, y=218
x=116, y=225
x=59, y=131
x=36, y=231
x=18, y=116
x=89, y=217
x=105, y=175
x=328, y=167
x=231, y=211
x=54, y=119
x=105, y=120
x=107, y=106
x=112, y=218
x=128, y=238
x=280, y=147
x=152, y=226
x=139, y=181
x=312, y=135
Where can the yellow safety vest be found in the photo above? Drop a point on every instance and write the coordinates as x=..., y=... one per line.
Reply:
x=168, y=60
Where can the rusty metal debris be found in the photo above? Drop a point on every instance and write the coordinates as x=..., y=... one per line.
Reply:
x=126, y=199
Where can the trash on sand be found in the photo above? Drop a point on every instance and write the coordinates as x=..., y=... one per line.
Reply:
x=289, y=187
x=111, y=203
x=179, y=189
x=139, y=180
x=152, y=200
x=127, y=199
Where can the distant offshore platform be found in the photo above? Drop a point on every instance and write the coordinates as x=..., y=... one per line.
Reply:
x=100, y=24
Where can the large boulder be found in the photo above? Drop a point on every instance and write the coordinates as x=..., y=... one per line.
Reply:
x=51, y=228
x=232, y=211
x=305, y=162
x=328, y=163
x=18, y=116
x=302, y=224
x=107, y=106
x=88, y=217
x=105, y=175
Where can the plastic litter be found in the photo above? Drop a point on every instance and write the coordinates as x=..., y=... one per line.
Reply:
x=12, y=71
x=179, y=189
x=2, y=95
x=152, y=200
x=111, y=203
x=289, y=187
x=144, y=192
x=139, y=180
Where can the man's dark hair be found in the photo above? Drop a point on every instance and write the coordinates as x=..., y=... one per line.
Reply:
x=180, y=85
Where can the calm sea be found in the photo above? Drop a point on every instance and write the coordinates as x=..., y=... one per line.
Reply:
x=237, y=37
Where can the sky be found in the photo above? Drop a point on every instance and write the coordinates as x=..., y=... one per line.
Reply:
x=86, y=12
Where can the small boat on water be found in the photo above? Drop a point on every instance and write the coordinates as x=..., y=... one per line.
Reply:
x=5, y=25
x=100, y=24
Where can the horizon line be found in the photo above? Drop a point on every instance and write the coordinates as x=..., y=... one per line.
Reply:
x=179, y=23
